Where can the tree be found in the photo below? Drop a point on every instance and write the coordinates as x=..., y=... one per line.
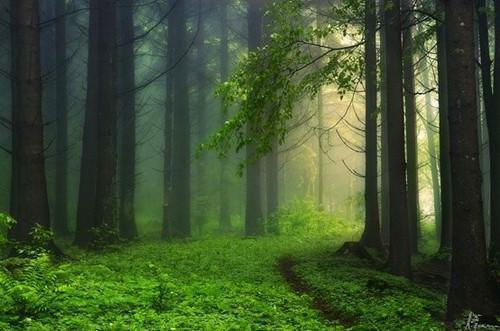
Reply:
x=411, y=124
x=469, y=271
x=224, y=216
x=32, y=205
x=97, y=194
x=181, y=129
x=444, y=137
x=127, y=117
x=371, y=235
x=253, y=214
x=399, y=251
x=61, y=196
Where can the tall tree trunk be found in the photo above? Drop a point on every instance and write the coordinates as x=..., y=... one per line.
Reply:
x=167, y=134
x=320, y=113
x=88, y=170
x=384, y=159
x=201, y=110
x=14, y=176
x=126, y=81
x=272, y=188
x=444, y=136
x=225, y=216
x=371, y=235
x=400, y=250
x=181, y=132
x=32, y=191
x=253, y=215
x=469, y=272
x=107, y=117
x=61, y=205
x=431, y=146
x=411, y=125
x=494, y=138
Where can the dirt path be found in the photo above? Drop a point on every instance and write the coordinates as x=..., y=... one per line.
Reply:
x=285, y=267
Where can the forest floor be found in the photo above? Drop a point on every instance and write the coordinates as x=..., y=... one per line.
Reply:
x=270, y=283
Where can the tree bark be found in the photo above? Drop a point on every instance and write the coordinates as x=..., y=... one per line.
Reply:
x=61, y=196
x=444, y=137
x=411, y=125
x=32, y=190
x=400, y=249
x=469, y=288
x=253, y=215
x=127, y=117
x=181, y=129
x=224, y=210
x=371, y=235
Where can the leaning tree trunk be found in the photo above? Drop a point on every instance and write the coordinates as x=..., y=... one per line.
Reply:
x=253, y=214
x=126, y=81
x=400, y=250
x=33, y=206
x=469, y=288
x=371, y=235
x=411, y=126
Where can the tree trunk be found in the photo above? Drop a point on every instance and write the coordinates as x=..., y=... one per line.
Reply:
x=61, y=203
x=371, y=235
x=32, y=190
x=272, y=188
x=400, y=250
x=107, y=118
x=225, y=216
x=444, y=138
x=253, y=215
x=469, y=288
x=181, y=129
x=384, y=158
x=431, y=145
x=411, y=125
x=493, y=115
x=201, y=112
x=126, y=81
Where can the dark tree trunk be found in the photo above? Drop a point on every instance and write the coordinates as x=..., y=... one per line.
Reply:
x=97, y=196
x=384, y=159
x=225, y=216
x=181, y=129
x=469, y=273
x=371, y=235
x=272, y=188
x=32, y=190
x=14, y=176
x=127, y=117
x=61, y=197
x=444, y=138
x=493, y=119
x=411, y=125
x=400, y=250
x=253, y=215
x=107, y=117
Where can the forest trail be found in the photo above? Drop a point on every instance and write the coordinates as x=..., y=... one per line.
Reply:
x=269, y=283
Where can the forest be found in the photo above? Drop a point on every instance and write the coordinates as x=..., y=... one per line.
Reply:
x=249, y=165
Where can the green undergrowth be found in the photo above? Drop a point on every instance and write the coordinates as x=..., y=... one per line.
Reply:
x=369, y=299
x=211, y=284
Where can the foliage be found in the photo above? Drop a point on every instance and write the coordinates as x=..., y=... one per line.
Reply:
x=6, y=223
x=104, y=236
x=292, y=65
x=303, y=217
x=370, y=299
